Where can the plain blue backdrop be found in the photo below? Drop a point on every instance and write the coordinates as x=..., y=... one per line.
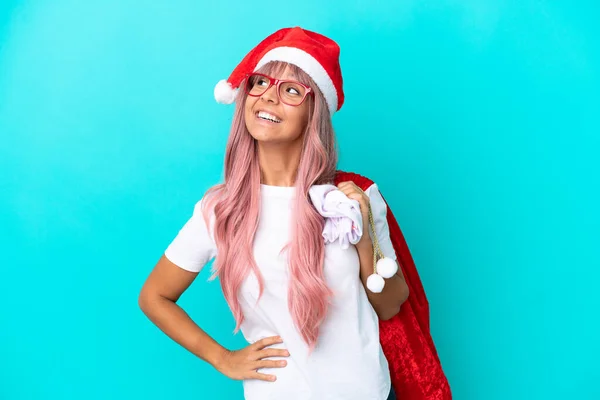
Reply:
x=478, y=120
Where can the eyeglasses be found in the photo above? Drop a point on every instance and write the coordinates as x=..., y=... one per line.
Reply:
x=289, y=92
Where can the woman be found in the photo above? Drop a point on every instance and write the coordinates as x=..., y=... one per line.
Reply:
x=301, y=302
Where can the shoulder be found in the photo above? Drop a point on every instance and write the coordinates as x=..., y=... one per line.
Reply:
x=209, y=199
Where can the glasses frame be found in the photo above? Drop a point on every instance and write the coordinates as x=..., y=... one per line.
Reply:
x=277, y=83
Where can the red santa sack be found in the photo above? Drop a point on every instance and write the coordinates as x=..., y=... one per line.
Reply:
x=415, y=367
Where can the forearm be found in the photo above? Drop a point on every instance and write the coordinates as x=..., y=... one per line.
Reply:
x=176, y=323
x=387, y=303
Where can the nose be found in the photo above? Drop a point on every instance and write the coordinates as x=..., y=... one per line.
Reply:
x=271, y=94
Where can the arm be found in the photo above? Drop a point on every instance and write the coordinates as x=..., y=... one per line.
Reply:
x=395, y=292
x=183, y=259
x=158, y=300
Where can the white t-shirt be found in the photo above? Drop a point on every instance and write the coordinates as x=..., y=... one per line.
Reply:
x=348, y=362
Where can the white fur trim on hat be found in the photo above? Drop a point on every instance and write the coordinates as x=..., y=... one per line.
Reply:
x=309, y=65
x=224, y=93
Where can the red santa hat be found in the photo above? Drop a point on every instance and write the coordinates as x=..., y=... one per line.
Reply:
x=315, y=54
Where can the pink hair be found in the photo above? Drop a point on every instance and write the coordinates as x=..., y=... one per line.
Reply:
x=236, y=205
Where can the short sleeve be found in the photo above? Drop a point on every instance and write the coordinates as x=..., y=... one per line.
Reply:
x=193, y=247
x=379, y=210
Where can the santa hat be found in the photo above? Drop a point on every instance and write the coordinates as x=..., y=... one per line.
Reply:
x=314, y=53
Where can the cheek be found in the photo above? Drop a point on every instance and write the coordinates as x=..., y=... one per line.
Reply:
x=249, y=115
x=247, y=109
x=300, y=119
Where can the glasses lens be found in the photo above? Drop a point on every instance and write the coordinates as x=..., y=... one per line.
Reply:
x=292, y=93
x=257, y=84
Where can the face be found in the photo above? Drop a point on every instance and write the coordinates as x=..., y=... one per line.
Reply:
x=291, y=120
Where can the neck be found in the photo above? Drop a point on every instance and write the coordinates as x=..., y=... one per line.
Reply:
x=279, y=163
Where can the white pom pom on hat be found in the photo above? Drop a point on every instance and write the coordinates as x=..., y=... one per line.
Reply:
x=315, y=54
x=224, y=93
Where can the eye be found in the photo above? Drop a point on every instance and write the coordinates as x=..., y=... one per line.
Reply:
x=293, y=89
x=261, y=82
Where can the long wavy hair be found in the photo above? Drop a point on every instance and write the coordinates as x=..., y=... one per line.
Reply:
x=236, y=205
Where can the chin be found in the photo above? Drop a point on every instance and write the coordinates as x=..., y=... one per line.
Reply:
x=265, y=133
x=270, y=139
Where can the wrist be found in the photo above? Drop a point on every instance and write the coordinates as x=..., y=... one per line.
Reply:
x=217, y=357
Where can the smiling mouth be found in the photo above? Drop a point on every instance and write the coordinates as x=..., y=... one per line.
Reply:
x=265, y=116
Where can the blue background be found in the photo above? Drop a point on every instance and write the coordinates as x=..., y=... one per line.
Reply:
x=478, y=119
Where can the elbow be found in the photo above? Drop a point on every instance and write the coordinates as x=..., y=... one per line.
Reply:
x=405, y=293
x=142, y=301
x=145, y=300
x=393, y=311
x=389, y=314
x=150, y=301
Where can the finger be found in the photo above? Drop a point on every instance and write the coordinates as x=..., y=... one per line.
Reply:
x=272, y=353
x=263, y=377
x=355, y=196
x=271, y=364
x=348, y=184
x=346, y=189
x=362, y=200
x=262, y=343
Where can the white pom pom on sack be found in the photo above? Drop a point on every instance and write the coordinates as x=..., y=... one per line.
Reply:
x=224, y=93
x=387, y=267
x=375, y=283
